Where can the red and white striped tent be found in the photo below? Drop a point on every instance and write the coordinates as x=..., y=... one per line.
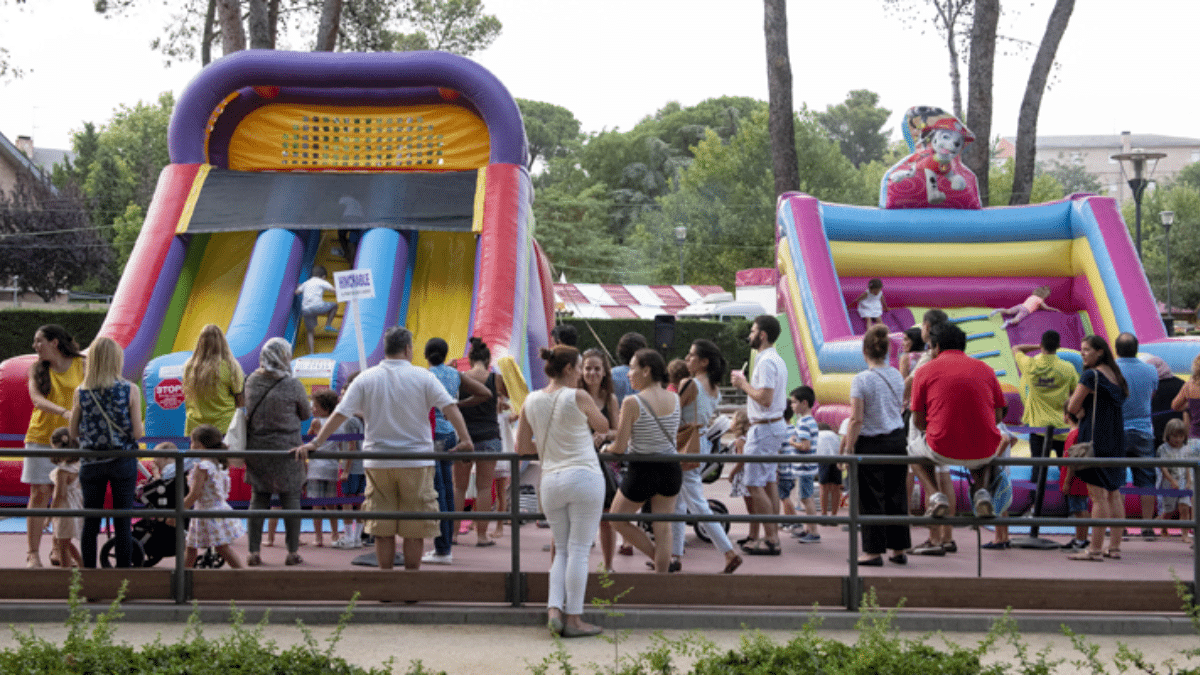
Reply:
x=626, y=301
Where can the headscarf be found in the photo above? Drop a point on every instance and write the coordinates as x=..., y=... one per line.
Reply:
x=1164, y=371
x=276, y=357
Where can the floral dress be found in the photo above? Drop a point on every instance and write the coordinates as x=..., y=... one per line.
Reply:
x=206, y=532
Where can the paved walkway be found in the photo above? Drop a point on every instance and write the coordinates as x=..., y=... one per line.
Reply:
x=489, y=650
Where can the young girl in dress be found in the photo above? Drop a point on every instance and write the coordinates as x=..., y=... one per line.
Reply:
x=1175, y=446
x=737, y=476
x=208, y=487
x=1035, y=301
x=67, y=495
x=870, y=304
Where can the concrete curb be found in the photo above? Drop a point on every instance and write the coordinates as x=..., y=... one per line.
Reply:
x=632, y=617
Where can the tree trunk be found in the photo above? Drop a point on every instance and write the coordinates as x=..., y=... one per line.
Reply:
x=1032, y=103
x=781, y=121
x=979, y=91
x=273, y=19
x=327, y=30
x=955, y=76
x=260, y=25
x=206, y=39
x=233, y=35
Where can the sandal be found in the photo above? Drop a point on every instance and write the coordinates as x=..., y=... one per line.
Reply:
x=764, y=547
x=1089, y=556
x=32, y=561
x=733, y=564
x=1114, y=553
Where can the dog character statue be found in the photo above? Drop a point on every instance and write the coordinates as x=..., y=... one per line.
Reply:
x=934, y=175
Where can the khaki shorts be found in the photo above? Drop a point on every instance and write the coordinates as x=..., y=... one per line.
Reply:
x=401, y=490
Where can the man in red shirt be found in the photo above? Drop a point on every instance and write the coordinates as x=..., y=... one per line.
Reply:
x=957, y=402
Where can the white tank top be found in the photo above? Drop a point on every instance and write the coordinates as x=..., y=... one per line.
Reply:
x=560, y=431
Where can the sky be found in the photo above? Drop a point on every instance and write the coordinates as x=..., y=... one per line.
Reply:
x=1122, y=66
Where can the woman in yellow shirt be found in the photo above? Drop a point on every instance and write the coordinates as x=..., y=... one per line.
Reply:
x=212, y=382
x=52, y=382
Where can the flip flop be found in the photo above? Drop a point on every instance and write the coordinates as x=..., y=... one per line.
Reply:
x=1114, y=553
x=764, y=547
x=732, y=565
x=1087, y=556
x=489, y=542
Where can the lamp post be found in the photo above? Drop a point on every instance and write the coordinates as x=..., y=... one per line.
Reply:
x=1168, y=219
x=680, y=239
x=1137, y=162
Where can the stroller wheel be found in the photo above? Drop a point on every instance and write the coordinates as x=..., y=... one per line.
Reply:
x=108, y=554
x=718, y=508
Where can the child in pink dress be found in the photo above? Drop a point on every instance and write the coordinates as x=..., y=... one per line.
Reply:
x=1035, y=301
x=208, y=487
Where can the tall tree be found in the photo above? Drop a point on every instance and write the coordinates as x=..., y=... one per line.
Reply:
x=229, y=18
x=551, y=130
x=47, y=242
x=1031, y=104
x=779, y=88
x=980, y=69
x=856, y=124
x=458, y=26
x=726, y=198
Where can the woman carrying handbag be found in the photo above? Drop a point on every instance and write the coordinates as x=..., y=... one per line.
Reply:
x=1098, y=399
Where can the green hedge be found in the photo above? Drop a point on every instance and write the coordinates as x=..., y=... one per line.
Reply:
x=730, y=337
x=18, y=324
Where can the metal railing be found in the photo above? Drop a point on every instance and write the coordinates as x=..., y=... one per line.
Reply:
x=516, y=517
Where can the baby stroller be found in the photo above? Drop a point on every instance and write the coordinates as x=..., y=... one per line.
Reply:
x=711, y=471
x=154, y=538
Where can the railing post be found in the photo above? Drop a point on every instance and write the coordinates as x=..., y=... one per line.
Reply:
x=1195, y=529
x=853, y=597
x=517, y=585
x=180, y=532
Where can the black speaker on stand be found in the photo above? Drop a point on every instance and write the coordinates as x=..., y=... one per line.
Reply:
x=664, y=332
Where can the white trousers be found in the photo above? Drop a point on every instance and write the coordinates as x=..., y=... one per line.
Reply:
x=691, y=500
x=572, y=500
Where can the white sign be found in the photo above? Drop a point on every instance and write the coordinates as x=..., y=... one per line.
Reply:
x=354, y=285
x=313, y=368
x=167, y=372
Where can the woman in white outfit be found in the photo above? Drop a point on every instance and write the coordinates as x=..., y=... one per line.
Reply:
x=698, y=399
x=561, y=419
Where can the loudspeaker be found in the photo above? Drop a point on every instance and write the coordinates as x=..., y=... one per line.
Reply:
x=664, y=332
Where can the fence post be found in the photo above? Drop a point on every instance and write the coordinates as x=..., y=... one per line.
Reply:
x=853, y=593
x=1195, y=529
x=181, y=590
x=516, y=584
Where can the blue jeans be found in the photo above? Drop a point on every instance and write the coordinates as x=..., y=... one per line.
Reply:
x=94, y=479
x=443, y=482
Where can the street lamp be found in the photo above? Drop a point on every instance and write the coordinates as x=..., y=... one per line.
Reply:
x=1168, y=219
x=680, y=239
x=1137, y=161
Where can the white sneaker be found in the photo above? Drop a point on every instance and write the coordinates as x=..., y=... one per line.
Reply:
x=347, y=542
x=983, y=505
x=938, y=507
x=435, y=558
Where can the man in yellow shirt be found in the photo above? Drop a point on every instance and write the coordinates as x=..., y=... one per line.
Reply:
x=1046, y=383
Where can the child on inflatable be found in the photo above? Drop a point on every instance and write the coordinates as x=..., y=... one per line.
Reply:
x=1035, y=301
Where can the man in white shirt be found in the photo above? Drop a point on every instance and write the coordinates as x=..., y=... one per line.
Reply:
x=766, y=398
x=394, y=399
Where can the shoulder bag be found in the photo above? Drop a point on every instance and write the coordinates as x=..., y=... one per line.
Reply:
x=687, y=439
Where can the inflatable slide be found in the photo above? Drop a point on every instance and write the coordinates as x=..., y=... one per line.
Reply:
x=411, y=165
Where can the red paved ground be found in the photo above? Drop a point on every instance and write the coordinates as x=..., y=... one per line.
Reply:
x=1146, y=560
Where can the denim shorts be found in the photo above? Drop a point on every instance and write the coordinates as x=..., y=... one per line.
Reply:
x=807, y=486
x=785, y=487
